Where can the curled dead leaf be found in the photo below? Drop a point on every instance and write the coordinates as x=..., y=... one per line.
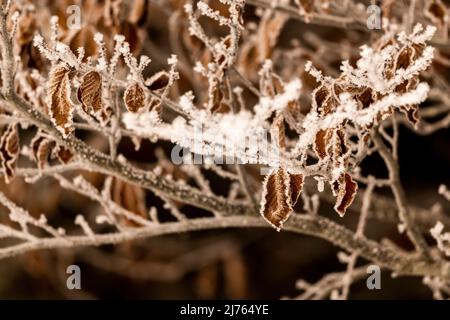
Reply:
x=41, y=148
x=130, y=197
x=305, y=6
x=61, y=107
x=134, y=97
x=319, y=97
x=62, y=154
x=404, y=58
x=345, y=191
x=437, y=12
x=321, y=142
x=365, y=98
x=9, y=151
x=83, y=38
x=281, y=190
x=279, y=131
x=269, y=31
x=218, y=102
x=138, y=11
x=340, y=147
x=158, y=81
x=90, y=94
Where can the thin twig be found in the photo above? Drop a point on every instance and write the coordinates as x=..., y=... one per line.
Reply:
x=412, y=230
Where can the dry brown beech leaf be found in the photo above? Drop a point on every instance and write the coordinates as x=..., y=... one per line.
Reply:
x=158, y=81
x=130, y=197
x=154, y=104
x=322, y=142
x=248, y=60
x=269, y=31
x=340, y=148
x=412, y=114
x=134, y=97
x=437, y=12
x=281, y=190
x=64, y=155
x=365, y=98
x=260, y=48
x=306, y=6
x=404, y=58
x=41, y=148
x=61, y=107
x=9, y=151
x=296, y=186
x=279, y=131
x=218, y=104
x=84, y=38
x=138, y=11
x=345, y=193
x=320, y=95
x=90, y=93
x=329, y=105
